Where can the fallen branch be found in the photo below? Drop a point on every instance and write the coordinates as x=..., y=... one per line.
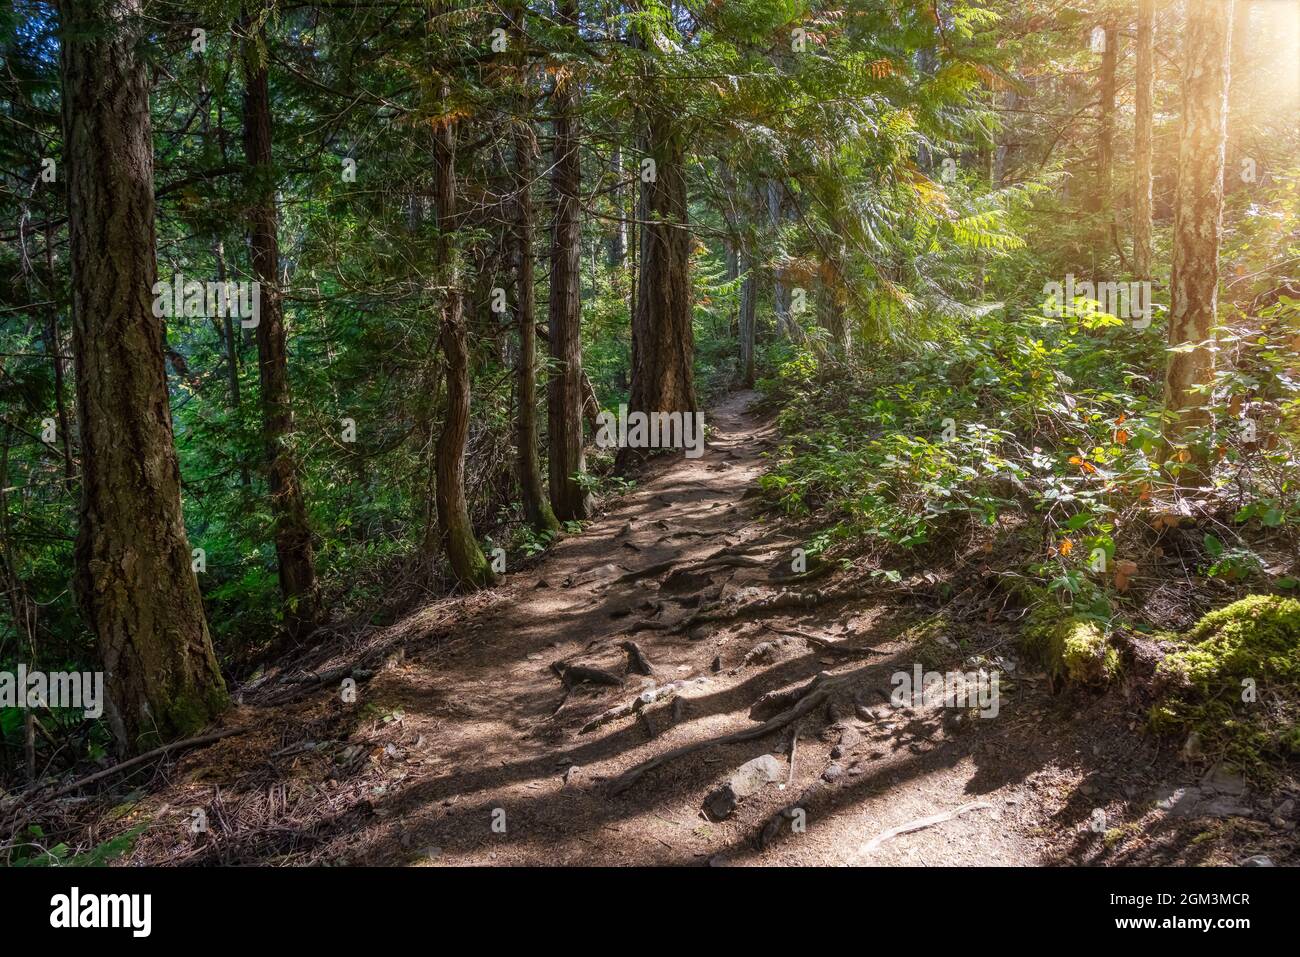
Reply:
x=920, y=824
x=141, y=759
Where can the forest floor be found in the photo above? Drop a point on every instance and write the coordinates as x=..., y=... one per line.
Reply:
x=463, y=745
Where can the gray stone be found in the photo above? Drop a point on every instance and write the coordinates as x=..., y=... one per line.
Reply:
x=748, y=779
x=850, y=738
x=1224, y=780
x=1259, y=860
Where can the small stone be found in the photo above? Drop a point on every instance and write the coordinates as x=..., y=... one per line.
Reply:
x=748, y=779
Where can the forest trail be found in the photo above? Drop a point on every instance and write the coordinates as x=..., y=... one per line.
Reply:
x=480, y=724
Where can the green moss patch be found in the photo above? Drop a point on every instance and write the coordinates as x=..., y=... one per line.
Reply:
x=1235, y=680
x=1070, y=647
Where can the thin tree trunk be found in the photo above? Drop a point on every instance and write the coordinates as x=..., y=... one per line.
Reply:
x=464, y=555
x=566, y=459
x=54, y=347
x=537, y=509
x=293, y=540
x=1198, y=220
x=748, y=296
x=1238, y=99
x=1142, y=140
x=618, y=238
x=133, y=575
x=1106, y=138
x=780, y=295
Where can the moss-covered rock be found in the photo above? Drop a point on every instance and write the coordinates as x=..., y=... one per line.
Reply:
x=1071, y=648
x=1235, y=681
x=927, y=645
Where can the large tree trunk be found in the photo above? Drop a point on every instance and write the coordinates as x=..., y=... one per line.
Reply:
x=1142, y=139
x=464, y=555
x=293, y=544
x=663, y=341
x=133, y=574
x=1198, y=217
x=537, y=510
x=566, y=459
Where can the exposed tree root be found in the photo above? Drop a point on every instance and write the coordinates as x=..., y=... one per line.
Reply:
x=803, y=707
x=774, y=702
x=573, y=675
x=637, y=662
x=633, y=706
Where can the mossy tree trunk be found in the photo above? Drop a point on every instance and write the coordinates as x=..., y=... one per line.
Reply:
x=132, y=576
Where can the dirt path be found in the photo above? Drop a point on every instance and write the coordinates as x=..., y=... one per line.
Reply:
x=483, y=733
x=463, y=746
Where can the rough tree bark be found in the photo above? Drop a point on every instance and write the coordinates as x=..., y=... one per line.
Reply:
x=1142, y=139
x=1198, y=220
x=133, y=575
x=663, y=341
x=293, y=540
x=565, y=458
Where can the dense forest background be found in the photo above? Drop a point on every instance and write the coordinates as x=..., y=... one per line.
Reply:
x=476, y=225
